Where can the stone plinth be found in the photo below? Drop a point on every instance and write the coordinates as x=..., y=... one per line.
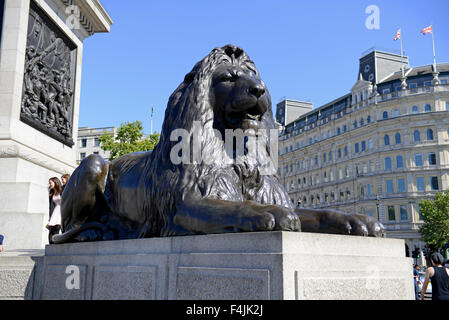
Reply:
x=39, y=39
x=263, y=266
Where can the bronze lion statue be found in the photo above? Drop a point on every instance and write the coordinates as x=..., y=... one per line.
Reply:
x=153, y=194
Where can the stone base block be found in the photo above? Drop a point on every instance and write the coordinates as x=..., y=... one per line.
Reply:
x=263, y=266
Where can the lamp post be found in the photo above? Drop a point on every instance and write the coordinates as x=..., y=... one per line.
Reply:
x=377, y=207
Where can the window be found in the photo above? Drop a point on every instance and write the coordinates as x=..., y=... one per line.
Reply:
x=356, y=147
x=429, y=134
x=420, y=184
x=418, y=160
x=82, y=155
x=447, y=105
x=434, y=183
x=399, y=162
x=427, y=83
x=401, y=185
x=362, y=122
x=416, y=136
x=324, y=157
x=387, y=162
x=414, y=109
x=396, y=113
x=355, y=124
x=310, y=141
x=397, y=138
x=345, y=128
x=338, y=130
x=330, y=155
x=385, y=91
x=363, y=145
x=387, y=140
x=412, y=85
x=389, y=185
x=291, y=148
x=286, y=149
x=339, y=153
x=391, y=213
x=97, y=142
x=368, y=118
x=370, y=143
x=385, y=115
x=403, y=212
x=427, y=108
x=432, y=158
x=96, y=152
x=368, y=189
x=316, y=160
x=346, y=151
x=83, y=143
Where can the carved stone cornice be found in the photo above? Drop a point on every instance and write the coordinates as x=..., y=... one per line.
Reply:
x=30, y=155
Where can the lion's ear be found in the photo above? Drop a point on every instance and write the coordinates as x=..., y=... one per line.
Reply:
x=189, y=77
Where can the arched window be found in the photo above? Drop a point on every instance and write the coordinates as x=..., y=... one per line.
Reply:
x=429, y=134
x=397, y=138
x=385, y=115
x=387, y=140
x=416, y=136
x=427, y=108
x=415, y=109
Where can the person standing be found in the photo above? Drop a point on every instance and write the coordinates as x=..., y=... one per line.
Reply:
x=54, y=222
x=416, y=278
x=64, y=180
x=439, y=277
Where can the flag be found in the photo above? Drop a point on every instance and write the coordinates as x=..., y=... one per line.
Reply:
x=398, y=35
x=427, y=30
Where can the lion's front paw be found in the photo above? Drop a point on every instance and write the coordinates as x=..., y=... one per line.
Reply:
x=285, y=218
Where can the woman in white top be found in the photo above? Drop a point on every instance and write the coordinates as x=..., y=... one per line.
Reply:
x=54, y=222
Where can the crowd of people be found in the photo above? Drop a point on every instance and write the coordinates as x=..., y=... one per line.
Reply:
x=55, y=190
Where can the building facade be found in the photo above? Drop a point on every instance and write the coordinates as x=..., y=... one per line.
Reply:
x=378, y=150
x=88, y=142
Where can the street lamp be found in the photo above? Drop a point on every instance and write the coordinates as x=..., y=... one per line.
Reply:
x=377, y=207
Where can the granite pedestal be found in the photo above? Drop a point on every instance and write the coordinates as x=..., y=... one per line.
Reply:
x=264, y=266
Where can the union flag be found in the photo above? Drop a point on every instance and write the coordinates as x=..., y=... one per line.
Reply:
x=398, y=35
x=427, y=30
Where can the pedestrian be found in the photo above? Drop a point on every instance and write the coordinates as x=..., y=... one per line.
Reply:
x=64, y=180
x=416, y=278
x=54, y=195
x=439, y=277
x=1, y=242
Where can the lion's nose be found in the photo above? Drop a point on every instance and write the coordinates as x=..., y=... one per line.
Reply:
x=257, y=90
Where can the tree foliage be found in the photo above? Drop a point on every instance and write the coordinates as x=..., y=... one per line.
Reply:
x=129, y=138
x=435, y=213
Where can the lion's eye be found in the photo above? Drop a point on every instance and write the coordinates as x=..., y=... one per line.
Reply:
x=228, y=77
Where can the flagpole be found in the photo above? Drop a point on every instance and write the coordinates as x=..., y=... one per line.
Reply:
x=402, y=57
x=433, y=47
x=151, y=122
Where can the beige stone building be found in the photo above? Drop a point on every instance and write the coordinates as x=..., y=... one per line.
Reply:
x=88, y=142
x=378, y=150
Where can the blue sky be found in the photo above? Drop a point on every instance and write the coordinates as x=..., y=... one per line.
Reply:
x=305, y=50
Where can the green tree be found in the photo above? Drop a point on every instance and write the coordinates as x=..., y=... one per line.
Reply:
x=129, y=138
x=435, y=213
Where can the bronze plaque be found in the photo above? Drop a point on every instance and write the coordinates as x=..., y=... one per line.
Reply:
x=49, y=78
